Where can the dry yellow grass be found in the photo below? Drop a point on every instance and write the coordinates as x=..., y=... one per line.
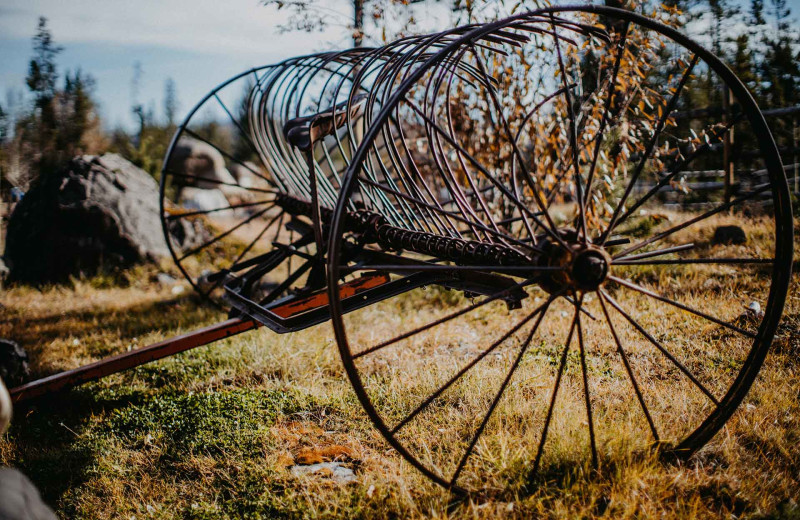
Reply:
x=210, y=433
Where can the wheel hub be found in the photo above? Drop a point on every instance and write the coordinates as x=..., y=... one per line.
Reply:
x=589, y=269
x=585, y=267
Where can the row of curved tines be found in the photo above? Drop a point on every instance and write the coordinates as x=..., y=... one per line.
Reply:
x=414, y=189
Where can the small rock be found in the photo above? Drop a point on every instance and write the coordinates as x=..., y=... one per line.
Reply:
x=335, y=470
x=14, y=367
x=19, y=498
x=754, y=310
x=729, y=235
x=178, y=290
x=3, y=271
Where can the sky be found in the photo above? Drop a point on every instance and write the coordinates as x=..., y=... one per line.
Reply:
x=197, y=43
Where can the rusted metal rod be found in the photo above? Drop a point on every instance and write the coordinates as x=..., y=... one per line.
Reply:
x=134, y=358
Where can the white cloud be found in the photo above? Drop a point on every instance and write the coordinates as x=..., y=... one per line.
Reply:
x=204, y=26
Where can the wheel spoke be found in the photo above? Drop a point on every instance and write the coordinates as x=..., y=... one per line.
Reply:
x=219, y=237
x=551, y=230
x=681, y=261
x=629, y=370
x=670, y=106
x=175, y=216
x=658, y=345
x=586, y=395
x=217, y=182
x=247, y=250
x=447, y=213
x=642, y=290
x=226, y=154
x=238, y=126
x=490, y=177
x=604, y=119
x=496, y=296
x=683, y=225
x=657, y=252
x=474, y=362
x=573, y=133
x=561, y=365
x=675, y=171
x=497, y=398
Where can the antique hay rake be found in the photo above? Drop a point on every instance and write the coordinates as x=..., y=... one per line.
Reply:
x=498, y=163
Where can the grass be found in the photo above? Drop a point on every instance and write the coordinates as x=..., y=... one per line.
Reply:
x=211, y=433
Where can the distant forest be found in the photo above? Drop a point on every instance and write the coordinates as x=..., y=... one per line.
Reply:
x=56, y=117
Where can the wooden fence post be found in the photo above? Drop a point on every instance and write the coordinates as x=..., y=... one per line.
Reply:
x=795, y=164
x=727, y=147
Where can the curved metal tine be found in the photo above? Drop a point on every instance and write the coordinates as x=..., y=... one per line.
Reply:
x=176, y=216
x=497, y=398
x=219, y=237
x=668, y=108
x=522, y=125
x=406, y=177
x=494, y=297
x=682, y=306
x=573, y=139
x=283, y=102
x=273, y=109
x=449, y=214
x=261, y=134
x=477, y=194
x=394, y=78
x=432, y=221
x=551, y=228
x=561, y=366
x=679, y=167
x=587, y=397
x=382, y=203
x=565, y=23
x=326, y=193
x=244, y=252
x=661, y=348
x=446, y=174
x=254, y=124
x=341, y=78
x=434, y=200
x=270, y=135
x=374, y=66
x=612, y=92
x=400, y=205
x=629, y=370
x=722, y=207
x=483, y=170
x=390, y=77
x=540, y=309
x=344, y=56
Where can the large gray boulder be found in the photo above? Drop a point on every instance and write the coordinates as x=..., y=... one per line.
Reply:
x=98, y=212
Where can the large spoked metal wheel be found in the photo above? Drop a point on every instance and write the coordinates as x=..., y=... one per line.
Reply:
x=230, y=174
x=566, y=139
x=218, y=197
